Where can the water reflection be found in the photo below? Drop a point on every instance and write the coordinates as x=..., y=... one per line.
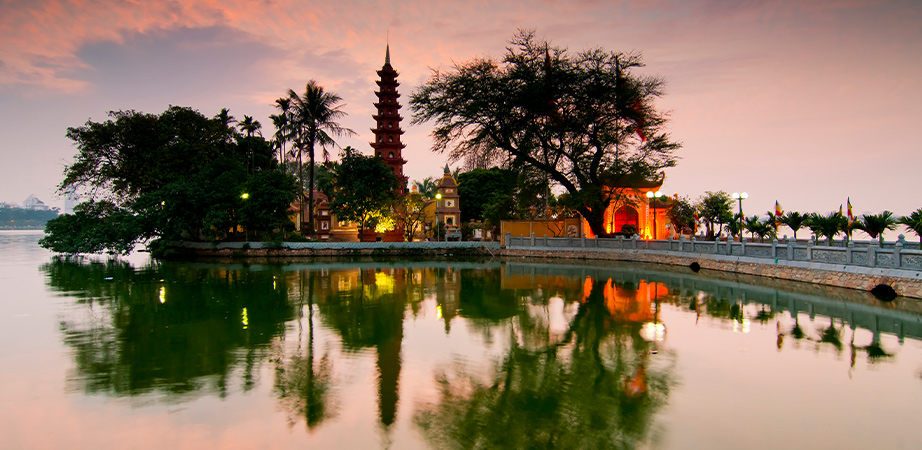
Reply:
x=554, y=356
x=174, y=328
x=595, y=382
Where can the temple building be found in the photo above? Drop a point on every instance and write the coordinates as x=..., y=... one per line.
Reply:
x=387, y=131
x=636, y=209
x=447, y=204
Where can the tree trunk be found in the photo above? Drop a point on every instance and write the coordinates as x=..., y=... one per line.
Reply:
x=596, y=221
x=300, y=194
x=310, y=193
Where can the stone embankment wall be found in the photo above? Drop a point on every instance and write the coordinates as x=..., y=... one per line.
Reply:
x=333, y=249
x=904, y=282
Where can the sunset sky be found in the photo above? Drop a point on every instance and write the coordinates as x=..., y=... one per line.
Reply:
x=804, y=102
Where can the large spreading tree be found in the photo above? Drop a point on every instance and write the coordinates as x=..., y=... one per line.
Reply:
x=174, y=176
x=587, y=120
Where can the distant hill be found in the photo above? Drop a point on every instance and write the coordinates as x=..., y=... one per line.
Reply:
x=15, y=218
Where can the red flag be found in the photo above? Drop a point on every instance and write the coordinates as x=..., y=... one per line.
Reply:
x=778, y=211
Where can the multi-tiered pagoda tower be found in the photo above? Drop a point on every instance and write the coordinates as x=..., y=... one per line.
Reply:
x=387, y=131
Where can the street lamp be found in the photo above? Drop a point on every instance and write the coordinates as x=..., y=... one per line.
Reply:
x=653, y=196
x=741, y=197
x=438, y=197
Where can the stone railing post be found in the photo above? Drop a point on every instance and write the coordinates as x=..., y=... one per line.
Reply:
x=743, y=243
x=848, y=251
x=681, y=243
x=508, y=238
x=533, y=239
x=810, y=250
x=582, y=240
x=775, y=248
x=791, y=243
x=897, y=250
x=872, y=254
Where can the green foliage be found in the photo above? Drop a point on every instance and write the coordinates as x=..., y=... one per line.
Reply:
x=761, y=228
x=427, y=187
x=175, y=176
x=827, y=226
x=95, y=227
x=134, y=153
x=682, y=214
x=266, y=208
x=875, y=225
x=479, y=187
x=794, y=220
x=575, y=118
x=409, y=212
x=714, y=208
x=914, y=222
x=628, y=230
x=364, y=187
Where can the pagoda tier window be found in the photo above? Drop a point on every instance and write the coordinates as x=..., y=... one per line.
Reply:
x=390, y=155
x=390, y=139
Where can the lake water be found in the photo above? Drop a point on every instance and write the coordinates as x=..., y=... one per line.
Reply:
x=444, y=354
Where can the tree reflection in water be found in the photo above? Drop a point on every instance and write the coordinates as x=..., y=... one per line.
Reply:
x=170, y=328
x=598, y=384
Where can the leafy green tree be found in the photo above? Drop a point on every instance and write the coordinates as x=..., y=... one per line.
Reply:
x=478, y=187
x=914, y=222
x=500, y=207
x=794, y=220
x=94, y=227
x=682, y=214
x=875, y=225
x=363, y=188
x=171, y=176
x=586, y=120
x=313, y=121
x=268, y=196
x=134, y=153
x=714, y=208
x=827, y=226
x=409, y=212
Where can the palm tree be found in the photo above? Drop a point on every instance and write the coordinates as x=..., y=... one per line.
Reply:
x=827, y=226
x=282, y=123
x=314, y=121
x=227, y=121
x=751, y=224
x=249, y=126
x=914, y=222
x=426, y=187
x=875, y=225
x=761, y=228
x=794, y=220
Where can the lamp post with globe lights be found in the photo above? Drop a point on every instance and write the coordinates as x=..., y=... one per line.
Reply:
x=653, y=196
x=740, y=198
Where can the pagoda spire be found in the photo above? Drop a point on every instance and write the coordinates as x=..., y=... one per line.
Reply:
x=387, y=130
